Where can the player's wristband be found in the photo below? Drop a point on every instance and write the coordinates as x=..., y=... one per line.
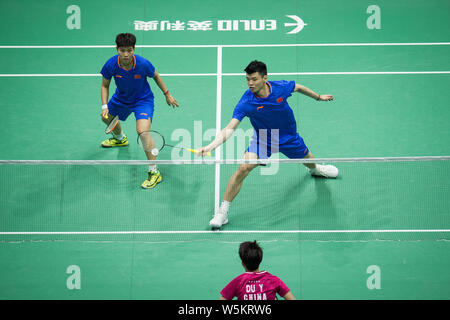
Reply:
x=105, y=106
x=165, y=93
x=318, y=98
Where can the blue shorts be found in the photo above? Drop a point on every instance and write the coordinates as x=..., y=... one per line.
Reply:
x=293, y=149
x=143, y=109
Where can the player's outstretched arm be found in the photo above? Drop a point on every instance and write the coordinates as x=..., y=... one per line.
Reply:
x=160, y=82
x=104, y=94
x=220, y=138
x=308, y=92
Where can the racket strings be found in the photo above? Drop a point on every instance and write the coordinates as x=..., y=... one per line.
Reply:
x=151, y=140
x=111, y=126
x=154, y=140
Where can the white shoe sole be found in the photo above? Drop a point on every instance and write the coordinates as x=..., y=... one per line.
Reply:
x=216, y=225
x=324, y=174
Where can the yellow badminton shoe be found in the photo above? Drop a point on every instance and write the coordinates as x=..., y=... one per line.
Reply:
x=113, y=142
x=153, y=179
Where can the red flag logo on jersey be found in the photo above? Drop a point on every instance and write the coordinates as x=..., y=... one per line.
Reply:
x=279, y=100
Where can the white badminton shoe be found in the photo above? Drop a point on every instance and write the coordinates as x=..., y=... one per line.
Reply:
x=326, y=171
x=219, y=219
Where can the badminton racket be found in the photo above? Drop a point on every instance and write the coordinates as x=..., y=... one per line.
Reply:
x=112, y=124
x=159, y=143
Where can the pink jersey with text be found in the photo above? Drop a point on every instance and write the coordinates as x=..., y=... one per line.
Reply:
x=255, y=286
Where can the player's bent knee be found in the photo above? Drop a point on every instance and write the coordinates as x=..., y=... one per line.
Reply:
x=245, y=169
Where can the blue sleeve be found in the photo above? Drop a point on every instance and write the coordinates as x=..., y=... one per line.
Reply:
x=239, y=112
x=107, y=71
x=289, y=88
x=150, y=70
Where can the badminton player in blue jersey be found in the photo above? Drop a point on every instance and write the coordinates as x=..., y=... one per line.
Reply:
x=275, y=130
x=133, y=94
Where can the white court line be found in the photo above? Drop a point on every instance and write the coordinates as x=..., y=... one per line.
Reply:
x=222, y=231
x=218, y=128
x=340, y=44
x=345, y=73
x=237, y=45
x=99, y=75
x=231, y=74
x=51, y=75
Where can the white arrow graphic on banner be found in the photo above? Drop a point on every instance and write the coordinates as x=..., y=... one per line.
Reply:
x=299, y=24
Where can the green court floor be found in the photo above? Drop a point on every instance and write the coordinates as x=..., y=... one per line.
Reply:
x=90, y=232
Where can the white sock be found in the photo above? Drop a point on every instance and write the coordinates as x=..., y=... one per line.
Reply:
x=118, y=136
x=152, y=168
x=225, y=206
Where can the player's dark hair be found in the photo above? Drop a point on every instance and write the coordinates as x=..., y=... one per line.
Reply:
x=251, y=254
x=125, y=40
x=256, y=66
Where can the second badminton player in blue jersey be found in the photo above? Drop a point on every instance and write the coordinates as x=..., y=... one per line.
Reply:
x=275, y=130
x=132, y=95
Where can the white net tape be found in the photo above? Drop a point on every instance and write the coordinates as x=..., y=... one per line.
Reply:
x=224, y=161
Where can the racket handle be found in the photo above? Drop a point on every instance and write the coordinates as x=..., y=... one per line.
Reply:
x=195, y=151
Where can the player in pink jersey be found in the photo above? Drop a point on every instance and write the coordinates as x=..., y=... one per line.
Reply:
x=254, y=284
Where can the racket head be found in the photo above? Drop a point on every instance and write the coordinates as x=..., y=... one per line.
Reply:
x=112, y=125
x=150, y=140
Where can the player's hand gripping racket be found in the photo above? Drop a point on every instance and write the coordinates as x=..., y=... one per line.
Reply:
x=112, y=124
x=158, y=143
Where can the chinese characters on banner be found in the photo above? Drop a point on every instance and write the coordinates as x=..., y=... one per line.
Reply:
x=219, y=25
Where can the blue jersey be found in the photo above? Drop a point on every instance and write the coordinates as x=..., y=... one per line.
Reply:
x=271, y=112
x=132, y=85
